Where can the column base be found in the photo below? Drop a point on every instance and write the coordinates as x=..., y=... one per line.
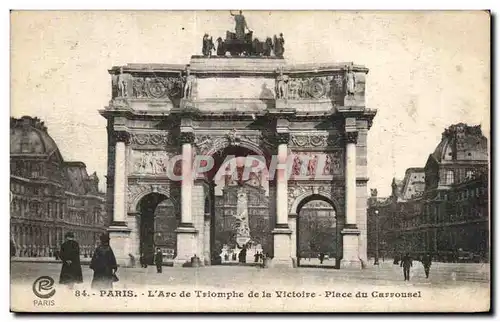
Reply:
x=350, y=264
x=119, y=241
x=281, y=103
x=350, y=248
x=186, y=103
x=186, y=245
x=282, y=263
x=281, y=238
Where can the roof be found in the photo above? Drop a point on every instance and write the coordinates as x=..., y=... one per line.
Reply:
x=29, y=136
x=462, y=142
x=79, y=181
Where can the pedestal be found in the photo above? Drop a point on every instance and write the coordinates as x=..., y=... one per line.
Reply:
x=281, y=103
x=186, y=245
x=120, y=241
x=186, y=103
x=350, y=257
x=282, y=248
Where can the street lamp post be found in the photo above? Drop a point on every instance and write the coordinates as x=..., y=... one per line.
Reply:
x=377, y=237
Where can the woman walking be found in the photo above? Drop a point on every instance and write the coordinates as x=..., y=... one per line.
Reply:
x=104, y=265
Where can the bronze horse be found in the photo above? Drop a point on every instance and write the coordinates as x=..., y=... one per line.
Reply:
x=245, y=47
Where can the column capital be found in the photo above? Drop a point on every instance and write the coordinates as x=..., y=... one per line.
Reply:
x=282, y=138
x=186, y=137
x=122, y=136
x=351, y=137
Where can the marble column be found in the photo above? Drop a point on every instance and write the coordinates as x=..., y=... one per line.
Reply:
x=186, y=232
x=350, y=233
x=120, y=177
x=187, y=179
x=119, y=232
x=282, y=232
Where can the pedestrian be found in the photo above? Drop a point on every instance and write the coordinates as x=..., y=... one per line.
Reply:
x=406, y=263
x=104, y=265
x=427, y=262
x=142, y=259
x=71, y=270
x=12, y=249
x=158, y=260
x=321, y=257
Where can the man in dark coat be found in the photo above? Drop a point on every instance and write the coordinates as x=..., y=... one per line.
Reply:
x=71, y=271
x=158, y=260
x=12, y=249
x=104, y=265
x=427, y=261
x=406, y=263
x=321, y=257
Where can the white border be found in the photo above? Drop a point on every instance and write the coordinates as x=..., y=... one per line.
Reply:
x=186, y=5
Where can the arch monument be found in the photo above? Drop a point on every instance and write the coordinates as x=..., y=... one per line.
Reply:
x=232, y=108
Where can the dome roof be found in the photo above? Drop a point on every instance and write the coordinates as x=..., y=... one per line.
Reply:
x=29, y=135
x=462, y=142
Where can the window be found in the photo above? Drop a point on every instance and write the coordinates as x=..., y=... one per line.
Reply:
x=450, y=178
x=469, y=174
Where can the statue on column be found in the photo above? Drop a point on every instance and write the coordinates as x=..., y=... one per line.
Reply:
x=189, y=83
x=241, y=25
x=282, y=85
x=350, y=80
x=122, y=84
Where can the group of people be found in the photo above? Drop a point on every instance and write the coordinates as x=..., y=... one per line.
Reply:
x=103, y=263
x=407, y=263
x=157, y=260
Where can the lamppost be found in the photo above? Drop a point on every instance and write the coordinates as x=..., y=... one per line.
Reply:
x=377, y=234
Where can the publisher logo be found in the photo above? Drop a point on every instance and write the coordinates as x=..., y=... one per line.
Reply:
x=43, y=287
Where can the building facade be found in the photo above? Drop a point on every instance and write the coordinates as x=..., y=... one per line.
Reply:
x=50, y=196
x=449, y=215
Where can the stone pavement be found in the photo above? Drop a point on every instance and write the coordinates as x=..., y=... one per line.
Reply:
x=384, y=274
x=451, y=287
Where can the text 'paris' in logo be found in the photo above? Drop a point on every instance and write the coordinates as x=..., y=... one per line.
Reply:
x=43, y=287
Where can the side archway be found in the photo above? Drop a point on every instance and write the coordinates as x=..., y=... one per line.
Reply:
x=137, y=192
x=316, y=230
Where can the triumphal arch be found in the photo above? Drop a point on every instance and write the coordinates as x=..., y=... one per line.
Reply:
x=162, y=117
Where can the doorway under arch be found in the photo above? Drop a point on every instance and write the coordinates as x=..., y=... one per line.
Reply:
x=159, y=218
x=318, y=233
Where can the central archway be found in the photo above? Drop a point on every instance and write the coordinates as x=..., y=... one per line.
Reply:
x=241, y=222
x=158, y=221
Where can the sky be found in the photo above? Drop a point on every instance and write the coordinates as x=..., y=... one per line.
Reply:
x=427, y=70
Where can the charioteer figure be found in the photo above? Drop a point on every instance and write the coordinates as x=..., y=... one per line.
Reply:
x=241, y=25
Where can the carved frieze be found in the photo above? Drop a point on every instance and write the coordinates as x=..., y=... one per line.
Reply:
x=156, y=87
x=206, y=143
x=323, y=87
x=203, y=143
x=315, y=141
x=150, y=162
x=155, y=139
